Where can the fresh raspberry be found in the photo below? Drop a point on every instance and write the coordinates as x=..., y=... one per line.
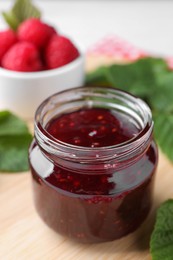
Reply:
x=36, y=32
x=23, y=56
x=59, y=51
x=7, y=39
x=51, y=30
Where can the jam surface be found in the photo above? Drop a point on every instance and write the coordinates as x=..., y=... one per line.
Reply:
x=93, y=207
x=95, y=127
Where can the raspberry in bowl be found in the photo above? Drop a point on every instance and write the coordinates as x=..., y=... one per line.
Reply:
x=36, y=61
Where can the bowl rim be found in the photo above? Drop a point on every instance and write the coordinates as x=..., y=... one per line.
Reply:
x=46, y=73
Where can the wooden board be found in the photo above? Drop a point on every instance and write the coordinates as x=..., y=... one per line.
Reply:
x=23, y=235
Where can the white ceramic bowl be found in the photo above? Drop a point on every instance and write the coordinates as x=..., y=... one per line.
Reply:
x=22, y=92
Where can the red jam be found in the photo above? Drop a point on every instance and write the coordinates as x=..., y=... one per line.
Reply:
x=93, y=207
x=95, y=127
x=89, y=128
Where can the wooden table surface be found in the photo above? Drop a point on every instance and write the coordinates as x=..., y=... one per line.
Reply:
x=23, y=235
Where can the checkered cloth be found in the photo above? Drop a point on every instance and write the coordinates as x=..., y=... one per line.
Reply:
x=115, y=47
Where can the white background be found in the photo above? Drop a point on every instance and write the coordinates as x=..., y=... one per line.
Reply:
x=146, y=24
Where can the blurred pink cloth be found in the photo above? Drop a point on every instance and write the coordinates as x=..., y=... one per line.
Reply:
x=115, y=47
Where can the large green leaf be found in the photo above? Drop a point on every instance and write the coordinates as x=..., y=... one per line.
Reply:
x=163, y=132
x=162, y=97
x=151, y=80
x=97, y=77
x=138, y=77
x=14, y=152
x=11, y=125
x=14, y=142
x=161, y=243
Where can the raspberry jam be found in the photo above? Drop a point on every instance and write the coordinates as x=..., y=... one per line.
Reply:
x=93, y=163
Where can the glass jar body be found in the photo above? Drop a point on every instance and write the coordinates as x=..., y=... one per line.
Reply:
x=116, y=185
x=94, y=218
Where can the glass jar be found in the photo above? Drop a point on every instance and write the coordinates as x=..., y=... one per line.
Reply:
x=93, y=194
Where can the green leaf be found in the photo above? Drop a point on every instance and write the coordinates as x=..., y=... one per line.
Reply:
x=11, y=20
x=161, y=243
x=162, y=97
x=21, y=10
x=139, y=77
x=163, y=132
x=24, y=9
x=14, y=142
x=11, y=125
x=98, y=77
x=151, y=80
x=14, y=152
x=136, y=77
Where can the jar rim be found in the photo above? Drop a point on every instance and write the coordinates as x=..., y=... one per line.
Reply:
x=118, y=150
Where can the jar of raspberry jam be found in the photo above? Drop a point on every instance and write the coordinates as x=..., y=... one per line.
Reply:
x=93, y=162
